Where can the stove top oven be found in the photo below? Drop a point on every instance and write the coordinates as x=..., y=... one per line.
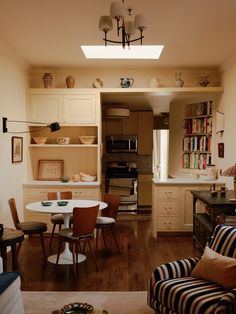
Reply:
x=121, y=178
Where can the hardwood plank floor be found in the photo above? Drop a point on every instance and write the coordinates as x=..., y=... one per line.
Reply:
x=130, y=271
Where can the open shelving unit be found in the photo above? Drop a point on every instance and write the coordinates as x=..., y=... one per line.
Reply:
x=197, y=140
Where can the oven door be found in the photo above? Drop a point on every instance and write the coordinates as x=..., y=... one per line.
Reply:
x=127, y=189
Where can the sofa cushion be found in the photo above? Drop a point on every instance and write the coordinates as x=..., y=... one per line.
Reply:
x=191, y=295
x=217, y=268
x=6, y=279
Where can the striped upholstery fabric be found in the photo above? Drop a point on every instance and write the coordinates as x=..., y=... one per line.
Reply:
x=171, y=289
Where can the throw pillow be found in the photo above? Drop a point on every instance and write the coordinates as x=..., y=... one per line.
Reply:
x=217, y=268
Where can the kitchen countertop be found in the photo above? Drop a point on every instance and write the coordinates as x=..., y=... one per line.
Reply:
x=186, y=180
x=60, y=183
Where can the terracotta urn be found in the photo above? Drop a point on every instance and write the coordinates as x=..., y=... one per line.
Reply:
x=70, y=81
x=47, y=80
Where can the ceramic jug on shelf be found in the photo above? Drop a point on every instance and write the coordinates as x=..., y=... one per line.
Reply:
x=126, y=82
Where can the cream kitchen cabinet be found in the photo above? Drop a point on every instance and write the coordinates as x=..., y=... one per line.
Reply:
x=165, y=209
x=172, y=205
x=33, y=193
x=66, y=107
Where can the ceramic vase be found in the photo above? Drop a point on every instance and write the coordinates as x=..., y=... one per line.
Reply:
x=179, y=82
x=47, y=80
x=70, y=81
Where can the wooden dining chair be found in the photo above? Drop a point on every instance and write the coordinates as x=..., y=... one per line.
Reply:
x=82, y=232
x=28, y=227
x=57, y=219
x=107, y=219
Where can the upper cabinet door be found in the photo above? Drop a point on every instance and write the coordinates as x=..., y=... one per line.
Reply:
x=79, y=109
x=145, y=131
x=45, y=108
x=130, y=125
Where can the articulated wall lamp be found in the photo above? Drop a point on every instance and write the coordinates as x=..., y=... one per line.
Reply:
x=55, y=126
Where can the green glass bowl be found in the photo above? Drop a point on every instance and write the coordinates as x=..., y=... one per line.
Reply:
x=62, y=203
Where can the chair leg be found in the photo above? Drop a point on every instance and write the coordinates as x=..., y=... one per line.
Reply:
x=116, y=243
x=94, y=259
x=104, y=238
x=43, y=247
x=74, y=257
x=58, y=250
x=52, y=234
x=97, y=235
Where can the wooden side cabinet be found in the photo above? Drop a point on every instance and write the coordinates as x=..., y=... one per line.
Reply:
x=145, y=130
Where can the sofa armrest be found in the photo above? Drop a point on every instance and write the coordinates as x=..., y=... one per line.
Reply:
x=176, y=269
x=228, y=301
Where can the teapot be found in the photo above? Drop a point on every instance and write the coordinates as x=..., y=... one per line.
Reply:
x=126, y=82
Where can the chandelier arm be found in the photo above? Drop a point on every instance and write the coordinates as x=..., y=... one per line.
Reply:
x=120, y=42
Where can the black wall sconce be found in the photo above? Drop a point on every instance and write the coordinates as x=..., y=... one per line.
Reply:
x=55, y=126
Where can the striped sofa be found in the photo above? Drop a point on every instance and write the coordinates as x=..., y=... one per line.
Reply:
x=172, y=290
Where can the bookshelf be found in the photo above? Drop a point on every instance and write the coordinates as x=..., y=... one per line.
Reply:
x=197, y=139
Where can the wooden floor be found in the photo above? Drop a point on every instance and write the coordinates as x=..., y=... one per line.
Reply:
x=129, y=271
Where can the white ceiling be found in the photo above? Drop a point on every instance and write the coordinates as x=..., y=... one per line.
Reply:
x=49, y=33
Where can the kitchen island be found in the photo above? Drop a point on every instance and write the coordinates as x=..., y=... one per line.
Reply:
x=172, y=204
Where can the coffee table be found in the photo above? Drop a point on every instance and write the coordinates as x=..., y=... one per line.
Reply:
x=94, y=312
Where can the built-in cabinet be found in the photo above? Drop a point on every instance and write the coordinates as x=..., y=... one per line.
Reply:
x=197, y=141
x=139, y=123
x=172, y=207
x=79, y=108
x=79, y=114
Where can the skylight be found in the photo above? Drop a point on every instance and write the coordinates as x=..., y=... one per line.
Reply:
x=117, y=52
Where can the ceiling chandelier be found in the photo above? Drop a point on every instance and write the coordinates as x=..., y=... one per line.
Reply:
x=125, y=28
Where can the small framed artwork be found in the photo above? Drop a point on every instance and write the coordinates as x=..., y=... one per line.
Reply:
x=50, y=170
x=16, y=149
x=221, y=150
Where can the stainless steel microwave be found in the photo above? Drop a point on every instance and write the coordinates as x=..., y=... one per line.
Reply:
x=116, y=143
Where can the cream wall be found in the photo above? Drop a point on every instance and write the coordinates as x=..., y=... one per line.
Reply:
x=13, y=86
x=227, y=105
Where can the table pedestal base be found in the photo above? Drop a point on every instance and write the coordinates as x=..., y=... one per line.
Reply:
x=65, y=257
x=65, y=260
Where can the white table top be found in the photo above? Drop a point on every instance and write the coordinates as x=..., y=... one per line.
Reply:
x=55, y=209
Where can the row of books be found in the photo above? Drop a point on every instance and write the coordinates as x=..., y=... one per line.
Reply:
x=196, y=143
x=227, y=220
x=198, y=125
x=196, y=160
x=199, y=109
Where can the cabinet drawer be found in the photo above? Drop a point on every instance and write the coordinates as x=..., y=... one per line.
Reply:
x=167, y=223
x=40, y=193
x=168, y=192
x=167, y=208
x=84, y=193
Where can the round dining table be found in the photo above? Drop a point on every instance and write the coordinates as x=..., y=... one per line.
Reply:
x=54, y=207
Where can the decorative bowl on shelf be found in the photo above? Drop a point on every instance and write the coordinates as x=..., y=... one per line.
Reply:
x=88, y=139
x=87, y=177
x=63, y=140
x=65, y=179
x=40, y=139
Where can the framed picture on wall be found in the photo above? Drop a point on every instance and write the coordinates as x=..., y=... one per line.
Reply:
x=50, y=170
x=16, y=149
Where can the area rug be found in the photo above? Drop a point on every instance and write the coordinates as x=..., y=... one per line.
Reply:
x=45, y=302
